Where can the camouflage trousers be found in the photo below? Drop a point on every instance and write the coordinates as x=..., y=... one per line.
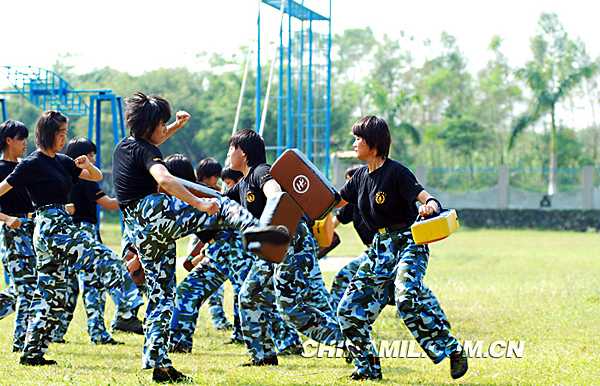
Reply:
x=343, y=278
x=8, y=296
x=226, y=260
x=125, y=295
x=19, y=264
x=263, y=328
x=153, y=224
x=296, y=287
x=300, y=291
x=59, y=244
x=395, y=267
x=215, y=308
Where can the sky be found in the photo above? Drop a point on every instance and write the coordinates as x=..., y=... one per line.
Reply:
x=137, y=36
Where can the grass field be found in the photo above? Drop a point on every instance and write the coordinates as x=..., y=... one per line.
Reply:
x=542, y=288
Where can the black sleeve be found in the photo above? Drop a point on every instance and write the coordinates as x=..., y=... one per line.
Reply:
x=93, y=192
x=150, y=156
x=21, y=175
x=407, y=184
x=261, y=175
x=349, y=192
x=234, y=193
x=344, y=215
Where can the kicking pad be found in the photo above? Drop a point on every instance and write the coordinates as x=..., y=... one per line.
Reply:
x=436, y=228
x=305, y=183
x=280, y=210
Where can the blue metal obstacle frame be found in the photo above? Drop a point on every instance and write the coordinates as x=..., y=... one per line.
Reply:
x=304, y=82
x=47, y=90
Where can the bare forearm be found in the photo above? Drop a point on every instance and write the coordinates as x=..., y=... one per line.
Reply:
x=92, y=173
x=174, y=188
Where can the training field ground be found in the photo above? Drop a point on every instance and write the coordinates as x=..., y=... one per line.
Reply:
x=539, y=288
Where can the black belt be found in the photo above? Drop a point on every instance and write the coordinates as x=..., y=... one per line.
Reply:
x=392, y=228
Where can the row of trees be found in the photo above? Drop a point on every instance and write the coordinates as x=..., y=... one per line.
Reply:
x=441, y=114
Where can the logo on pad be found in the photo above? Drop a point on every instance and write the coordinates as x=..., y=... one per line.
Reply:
x=300, y=184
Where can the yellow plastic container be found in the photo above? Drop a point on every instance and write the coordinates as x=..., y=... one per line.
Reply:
x=435, y=228
x=323, y=231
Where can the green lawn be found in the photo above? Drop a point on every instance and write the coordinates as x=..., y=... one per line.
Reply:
x=542, y=288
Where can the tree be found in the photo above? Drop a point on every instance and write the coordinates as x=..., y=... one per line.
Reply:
x=497, y=95
x=551, y=76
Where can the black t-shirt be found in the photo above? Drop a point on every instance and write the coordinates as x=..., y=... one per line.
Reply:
x=249, y=190
x=16, y=200
x=132, y=160
x=384, y=197
x=350, y=213
x=84, y=195
x=48, y=180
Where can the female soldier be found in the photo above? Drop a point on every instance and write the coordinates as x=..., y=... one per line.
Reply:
x=385, y=192
x=296, y=284
x=48, y=177
x=154, y=221
x=84, y=196
x=17, y=230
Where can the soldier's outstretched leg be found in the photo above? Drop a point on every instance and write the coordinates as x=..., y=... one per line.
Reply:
x=94, y=300
x=217, y=313
x=128, y=302
x=301, y=295
x=343, y=278
x=192, y=292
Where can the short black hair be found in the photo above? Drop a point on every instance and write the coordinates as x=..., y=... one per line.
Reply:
x=12, y=129
x=375, y=132
x=208, y=167
x=252, y=144
x=233, y=175
x=78, y=147
x=351, y=170
x=144, y=112
x=48, y=125
x=180, y=166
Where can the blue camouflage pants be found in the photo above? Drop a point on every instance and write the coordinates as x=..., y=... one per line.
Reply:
x=8, y=297
x=263, y=328
x=125, y=295
x=300, y=291
x=226, y=260
x=71, y=294
x=297, y=287
x=59, y=243
x=343, y=278
x=394, y=260
x=215, y=308
x=19, y=259
x=154, y=224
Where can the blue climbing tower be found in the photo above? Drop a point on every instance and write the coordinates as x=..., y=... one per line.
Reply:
x=303, y=97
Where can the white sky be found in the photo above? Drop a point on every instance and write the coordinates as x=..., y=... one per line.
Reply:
x=136, y=36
